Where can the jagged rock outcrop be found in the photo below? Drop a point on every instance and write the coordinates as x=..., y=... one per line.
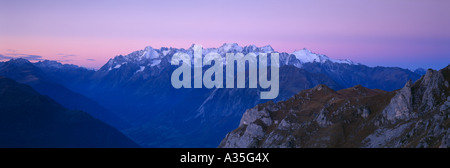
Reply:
x=415, y=116
x=400, y=107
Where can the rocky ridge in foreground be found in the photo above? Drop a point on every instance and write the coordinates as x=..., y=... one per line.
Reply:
x=415, y=116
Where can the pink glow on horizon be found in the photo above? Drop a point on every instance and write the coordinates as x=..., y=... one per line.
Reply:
x=405, y=33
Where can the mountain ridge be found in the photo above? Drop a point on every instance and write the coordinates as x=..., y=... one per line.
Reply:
x=136, y=87
x=44, y=80
x=31, y=120
x=415, y=116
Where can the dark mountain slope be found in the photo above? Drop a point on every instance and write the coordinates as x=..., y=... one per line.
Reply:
x=28, y=119
x=46, y=83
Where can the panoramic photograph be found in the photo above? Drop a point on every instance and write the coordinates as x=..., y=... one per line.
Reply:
x=224, y=74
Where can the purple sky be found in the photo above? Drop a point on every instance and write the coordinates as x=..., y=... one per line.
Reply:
x=404, y=33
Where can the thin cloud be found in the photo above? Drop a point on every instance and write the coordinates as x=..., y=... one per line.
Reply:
x=64, y=60
x=19, y=55
x=90, y=59
x=15, y=55
x=62, y=55
x=3, y=57
x=33, y=57
x=69, y=55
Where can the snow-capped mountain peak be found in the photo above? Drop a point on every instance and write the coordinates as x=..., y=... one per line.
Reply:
x=229, y=47
x=150, y=57
x=267, y=49
x=146, y=57
x=149, y=53
x=306, y=56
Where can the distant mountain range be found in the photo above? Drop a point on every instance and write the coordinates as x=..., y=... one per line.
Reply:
x=134, y=94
